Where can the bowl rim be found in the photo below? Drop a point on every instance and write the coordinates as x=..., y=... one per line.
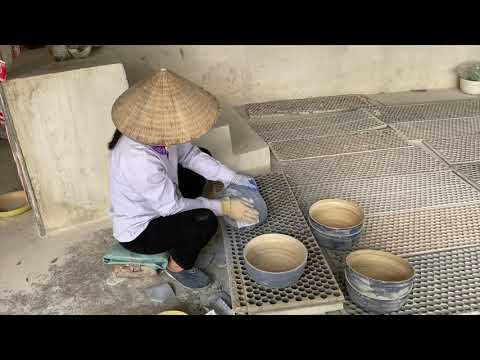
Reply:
x=349, y=202
x=172, y=312
x=314, y=225
x=19, y=210
x=383, y=253
x=287, y=237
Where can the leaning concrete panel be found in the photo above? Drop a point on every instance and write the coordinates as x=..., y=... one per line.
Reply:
x=62, y=124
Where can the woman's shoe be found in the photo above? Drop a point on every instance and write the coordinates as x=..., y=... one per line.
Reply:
x=192, y=279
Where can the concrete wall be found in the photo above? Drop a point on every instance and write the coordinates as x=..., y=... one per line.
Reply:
x=245, y=74
x=62, y=120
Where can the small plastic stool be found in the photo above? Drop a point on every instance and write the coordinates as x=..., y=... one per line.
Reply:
x=129, y=264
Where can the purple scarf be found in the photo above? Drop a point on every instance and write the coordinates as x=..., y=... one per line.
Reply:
x=161, y=150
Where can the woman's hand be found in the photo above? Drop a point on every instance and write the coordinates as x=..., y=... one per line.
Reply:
x=239, y=209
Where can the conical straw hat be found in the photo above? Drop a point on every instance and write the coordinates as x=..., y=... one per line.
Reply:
x=165, y=109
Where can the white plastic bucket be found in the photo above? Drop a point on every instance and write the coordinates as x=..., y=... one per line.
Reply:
x=470, y=87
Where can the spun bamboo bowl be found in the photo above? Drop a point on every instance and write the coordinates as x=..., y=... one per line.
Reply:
x=382, y=280
x=336, y=224
x=173, y=312
x=336, y=214
x=13, y=204
x=275, y=260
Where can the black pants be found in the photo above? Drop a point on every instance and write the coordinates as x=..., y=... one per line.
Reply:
x=184, y=234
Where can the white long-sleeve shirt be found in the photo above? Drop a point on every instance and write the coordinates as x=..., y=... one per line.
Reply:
x=144, y=184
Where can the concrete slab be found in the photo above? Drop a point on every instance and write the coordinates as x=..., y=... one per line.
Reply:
x=218, y=142
x=234, y=143
x=62, y=122
x=253, y=154
x=421, y=96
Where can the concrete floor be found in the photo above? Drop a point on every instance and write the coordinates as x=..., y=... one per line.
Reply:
x=64, y=273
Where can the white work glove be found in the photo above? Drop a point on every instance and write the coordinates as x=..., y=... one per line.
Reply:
x=239, y=210
x=246, y=181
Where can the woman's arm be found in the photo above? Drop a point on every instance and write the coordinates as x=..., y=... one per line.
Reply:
x=191, y=157
x=149, y=179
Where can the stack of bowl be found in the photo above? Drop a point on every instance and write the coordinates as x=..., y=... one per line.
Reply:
x=336, y=224
x=377, y=281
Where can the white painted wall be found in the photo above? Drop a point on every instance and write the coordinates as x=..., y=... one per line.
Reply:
x=246, y=73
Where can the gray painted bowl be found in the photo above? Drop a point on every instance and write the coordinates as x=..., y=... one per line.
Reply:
x=336, y=224
x=375, y=305
x=275, y=260
x=379, y=273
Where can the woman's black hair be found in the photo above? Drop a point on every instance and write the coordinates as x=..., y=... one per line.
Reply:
x=116, y=136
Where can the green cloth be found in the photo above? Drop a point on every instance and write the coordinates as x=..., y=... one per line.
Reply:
x=118, y=255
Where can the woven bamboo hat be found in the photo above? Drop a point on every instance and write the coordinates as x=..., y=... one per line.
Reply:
x=165, y=109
